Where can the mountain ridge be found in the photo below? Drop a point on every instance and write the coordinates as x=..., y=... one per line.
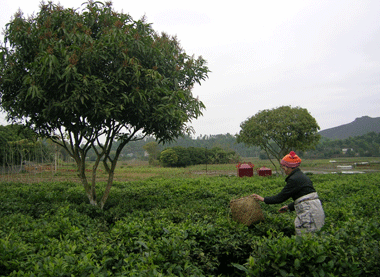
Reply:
x=360, y=126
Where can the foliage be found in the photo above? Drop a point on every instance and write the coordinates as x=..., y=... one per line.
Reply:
x=183, y=227
x=76, y=76
x=19, y=144
x=168, y=157
x=133, y=152
x=181, y=157
x=226, y=142
x=367, y=145
x=152, y=149
x=280, y=130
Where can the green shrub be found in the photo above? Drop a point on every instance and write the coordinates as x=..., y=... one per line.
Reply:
x=183, y=227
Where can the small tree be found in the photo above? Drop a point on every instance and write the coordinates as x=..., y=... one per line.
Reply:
x=280, y=130
x=168, y=157
x=153, y=150
x=89, y=78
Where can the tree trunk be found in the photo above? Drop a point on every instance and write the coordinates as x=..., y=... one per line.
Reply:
x=270, y=159
x=90, y=191
x=108, y=189
x=93, y=177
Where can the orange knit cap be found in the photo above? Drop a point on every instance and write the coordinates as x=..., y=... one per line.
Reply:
x=291, y=160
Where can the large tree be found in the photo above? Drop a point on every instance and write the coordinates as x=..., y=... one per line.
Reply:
x=280, y=130
x=92, y=76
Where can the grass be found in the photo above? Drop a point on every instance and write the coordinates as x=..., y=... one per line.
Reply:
x=141, y=170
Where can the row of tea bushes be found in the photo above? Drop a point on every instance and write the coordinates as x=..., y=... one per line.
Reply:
x=183, y=227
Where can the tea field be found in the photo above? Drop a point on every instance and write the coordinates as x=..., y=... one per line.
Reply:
x=182, y=226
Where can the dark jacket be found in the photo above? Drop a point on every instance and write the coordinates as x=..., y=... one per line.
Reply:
x=297, y=185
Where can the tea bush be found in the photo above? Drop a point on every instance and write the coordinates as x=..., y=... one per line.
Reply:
x=183, y=227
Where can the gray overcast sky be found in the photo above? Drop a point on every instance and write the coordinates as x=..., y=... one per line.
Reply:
x=320, y=55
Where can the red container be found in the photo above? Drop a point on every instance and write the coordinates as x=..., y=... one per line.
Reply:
x=245, y=169
x=264, y=171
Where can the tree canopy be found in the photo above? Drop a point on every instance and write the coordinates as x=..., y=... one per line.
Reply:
x=78, y=75
x=280, y=130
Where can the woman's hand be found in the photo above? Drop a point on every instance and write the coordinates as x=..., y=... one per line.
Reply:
x=283, y=209
x=258, y=197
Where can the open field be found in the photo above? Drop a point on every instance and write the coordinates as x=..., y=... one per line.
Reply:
x=140, y=170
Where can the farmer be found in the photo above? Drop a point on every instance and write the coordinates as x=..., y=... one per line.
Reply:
x=310, y=214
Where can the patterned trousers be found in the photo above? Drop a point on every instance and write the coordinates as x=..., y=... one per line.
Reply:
x=310, y=215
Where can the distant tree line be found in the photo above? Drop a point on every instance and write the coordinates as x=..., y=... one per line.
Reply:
x=179, y=156
x=367, y=145
x=21, y=144
x=227, y=142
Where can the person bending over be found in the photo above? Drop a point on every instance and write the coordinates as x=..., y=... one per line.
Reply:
x=310, y=215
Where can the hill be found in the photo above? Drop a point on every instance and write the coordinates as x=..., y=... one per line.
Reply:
x=360, y=126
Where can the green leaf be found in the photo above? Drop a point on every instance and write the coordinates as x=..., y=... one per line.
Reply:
x=240, y=267
x=321, y=259
x=142, y=244
x=297, y=263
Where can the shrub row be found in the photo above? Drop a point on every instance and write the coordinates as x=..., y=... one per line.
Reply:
x=183, y=227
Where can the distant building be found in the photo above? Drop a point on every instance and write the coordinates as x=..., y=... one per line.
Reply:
x=345, y=150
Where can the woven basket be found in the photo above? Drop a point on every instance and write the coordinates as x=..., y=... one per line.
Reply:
x=246, y=210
